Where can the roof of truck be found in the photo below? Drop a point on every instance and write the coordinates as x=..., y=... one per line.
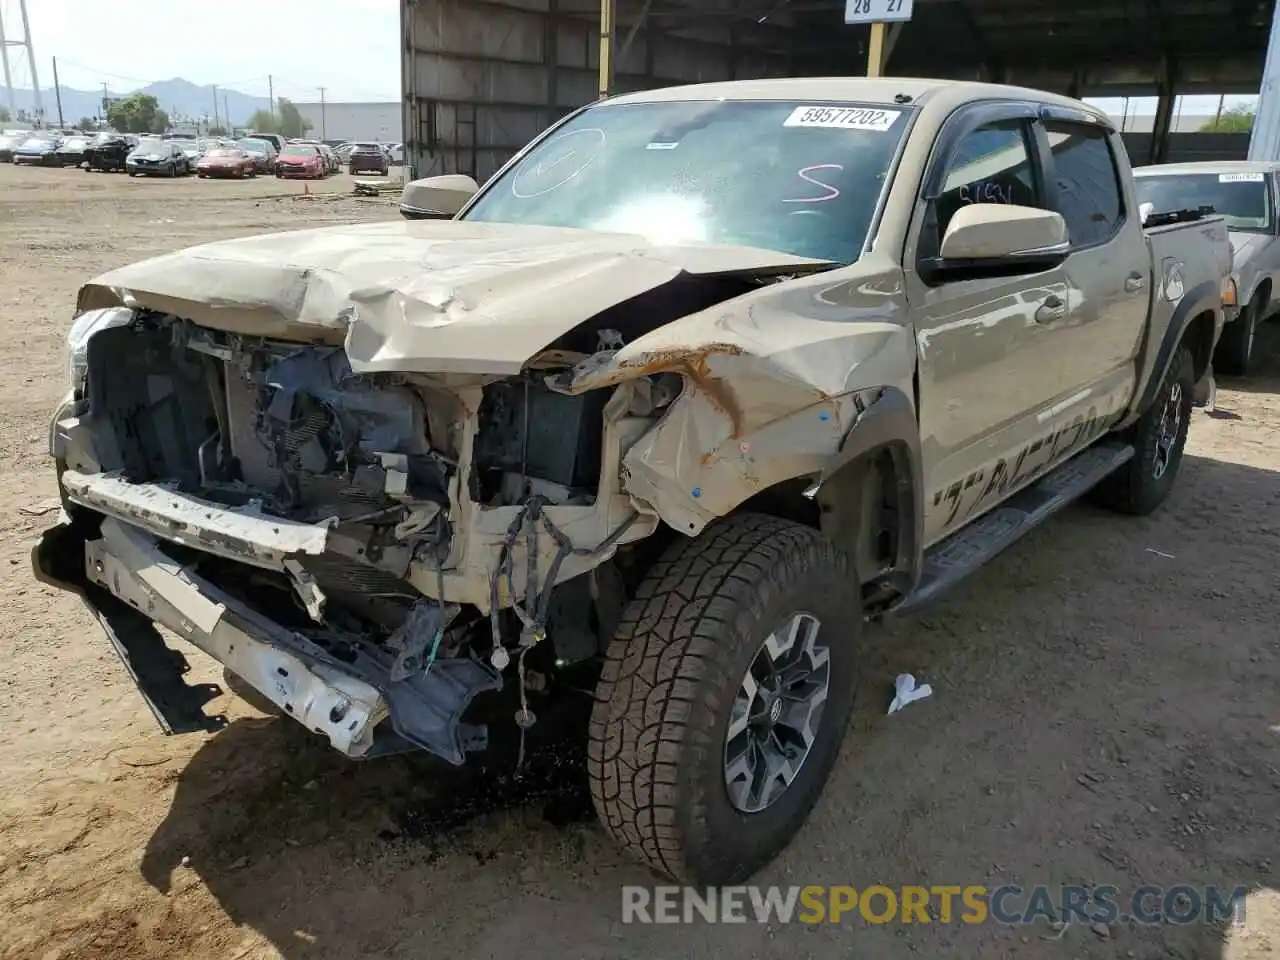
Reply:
x=884, y=90
x=1208, y=166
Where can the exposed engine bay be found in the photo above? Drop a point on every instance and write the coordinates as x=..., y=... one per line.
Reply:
x=415, y=533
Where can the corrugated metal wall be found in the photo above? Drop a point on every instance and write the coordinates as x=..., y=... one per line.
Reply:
x=484, y=77
x=1188, y=147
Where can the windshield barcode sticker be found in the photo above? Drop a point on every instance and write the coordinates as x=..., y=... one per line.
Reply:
x=842, y=118
x=1240, y=178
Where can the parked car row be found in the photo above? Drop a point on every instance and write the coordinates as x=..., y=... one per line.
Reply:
x=369, y=151
x=172, y=156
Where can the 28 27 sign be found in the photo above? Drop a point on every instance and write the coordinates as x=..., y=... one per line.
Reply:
x=877, y=11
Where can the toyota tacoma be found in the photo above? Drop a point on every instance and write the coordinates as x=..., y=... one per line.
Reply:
x=699, y=383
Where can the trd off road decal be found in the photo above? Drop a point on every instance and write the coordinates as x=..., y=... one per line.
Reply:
x=1009, y=473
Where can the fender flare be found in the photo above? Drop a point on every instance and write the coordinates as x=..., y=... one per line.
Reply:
x=1262, y=281
x=890, y=425
x=1204, y=298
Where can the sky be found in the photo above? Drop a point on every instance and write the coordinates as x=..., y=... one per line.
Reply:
x=351, y=47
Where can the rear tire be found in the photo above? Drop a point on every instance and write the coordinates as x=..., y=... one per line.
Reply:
x=1234, y=352
x=675, y=684
x=1158, y=440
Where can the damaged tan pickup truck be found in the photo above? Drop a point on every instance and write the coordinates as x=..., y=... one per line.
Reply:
x=701, y=381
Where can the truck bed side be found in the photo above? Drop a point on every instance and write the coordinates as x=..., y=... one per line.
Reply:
x=1189, y=263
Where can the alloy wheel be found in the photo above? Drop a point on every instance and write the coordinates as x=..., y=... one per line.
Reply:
x=1170, y=426
x=776, y=714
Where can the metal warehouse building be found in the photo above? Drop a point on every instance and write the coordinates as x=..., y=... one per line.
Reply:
x=483, y=77
x=380, y=122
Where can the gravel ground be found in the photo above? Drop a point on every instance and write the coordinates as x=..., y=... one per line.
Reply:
x=1105, y=711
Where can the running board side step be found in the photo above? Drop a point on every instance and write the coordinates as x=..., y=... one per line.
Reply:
x=970, y=548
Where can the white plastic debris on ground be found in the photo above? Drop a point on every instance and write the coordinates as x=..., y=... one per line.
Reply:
x=906, y=692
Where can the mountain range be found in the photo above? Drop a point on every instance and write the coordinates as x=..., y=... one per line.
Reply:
x=179, y=98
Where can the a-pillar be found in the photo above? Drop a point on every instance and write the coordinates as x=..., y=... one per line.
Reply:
x=1167, y=93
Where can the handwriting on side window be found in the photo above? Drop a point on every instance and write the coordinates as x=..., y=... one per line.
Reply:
x=984, y=191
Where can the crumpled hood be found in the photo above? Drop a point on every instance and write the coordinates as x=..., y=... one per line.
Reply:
x=416, y=296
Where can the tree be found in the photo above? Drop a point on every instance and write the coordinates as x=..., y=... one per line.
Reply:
x=286, y=121
x=216, y=131
x=4, y=115
x=263, y=122
x=87, y=124
x=138, y=113
x=1237, y=119
x=292, y=123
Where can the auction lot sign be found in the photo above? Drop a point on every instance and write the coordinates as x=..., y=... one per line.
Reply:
x=877, y=11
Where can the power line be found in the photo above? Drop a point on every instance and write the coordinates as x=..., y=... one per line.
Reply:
x=104, y=73
x=144, y=81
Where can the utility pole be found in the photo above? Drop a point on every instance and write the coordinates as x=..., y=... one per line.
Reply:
x=8, y=80
x=57, y=91
x=31, y=59
x=323, y=132
x=271, y=96
x=215, y=105
x=226, y=115
x=1217, y=117
x=25, y=43
x=106, y=102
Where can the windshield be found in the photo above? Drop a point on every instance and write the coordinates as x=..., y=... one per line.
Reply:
x=38, y=143
x=802, y=179
x=255, y=146
x=1242, y=199
x=299, y=152
x=224, y=152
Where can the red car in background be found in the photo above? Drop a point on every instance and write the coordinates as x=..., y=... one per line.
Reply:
x=226, y=162
x=301, y=160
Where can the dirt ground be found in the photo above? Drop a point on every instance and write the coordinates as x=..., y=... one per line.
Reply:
x=1106, y=710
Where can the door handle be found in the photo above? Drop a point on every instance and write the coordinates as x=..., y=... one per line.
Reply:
x=1053, y=308
x=1134, y=282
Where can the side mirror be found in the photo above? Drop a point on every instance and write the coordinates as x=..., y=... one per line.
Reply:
x=436, y=198
x=1001, y=239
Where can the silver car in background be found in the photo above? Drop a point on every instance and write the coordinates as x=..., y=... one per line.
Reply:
x=1243, y=193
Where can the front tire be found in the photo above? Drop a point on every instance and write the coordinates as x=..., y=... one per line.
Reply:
x=754, y=612
x=1234, y=352
x=1158, y=439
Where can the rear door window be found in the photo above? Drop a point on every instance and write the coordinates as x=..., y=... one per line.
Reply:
x=1089, y=195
